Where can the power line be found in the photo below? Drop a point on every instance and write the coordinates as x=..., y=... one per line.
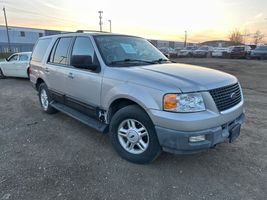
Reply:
x=41, y=15
x=50, y=17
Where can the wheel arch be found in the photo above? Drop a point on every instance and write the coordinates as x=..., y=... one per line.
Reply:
x=120, y=103
x=38, y=83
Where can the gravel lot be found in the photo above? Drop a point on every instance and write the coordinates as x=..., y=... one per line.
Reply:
x=56, y=157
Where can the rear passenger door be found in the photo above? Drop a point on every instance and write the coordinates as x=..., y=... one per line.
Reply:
x=23, y=65
x=84, y=86
x=57, y=67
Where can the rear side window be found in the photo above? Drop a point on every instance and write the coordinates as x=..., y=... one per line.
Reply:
x=59, y=53
x=23, y=57
x=40, y=49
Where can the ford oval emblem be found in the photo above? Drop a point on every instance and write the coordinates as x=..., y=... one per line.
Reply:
x=233, y=95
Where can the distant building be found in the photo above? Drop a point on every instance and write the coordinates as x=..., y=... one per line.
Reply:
x=165, y=43
x=21, y=39
x=217, y=43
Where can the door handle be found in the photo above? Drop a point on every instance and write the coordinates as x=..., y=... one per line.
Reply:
x=71, y=76
x=46, y=70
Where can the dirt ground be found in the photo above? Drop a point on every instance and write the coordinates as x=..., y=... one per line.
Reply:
x=56, y=157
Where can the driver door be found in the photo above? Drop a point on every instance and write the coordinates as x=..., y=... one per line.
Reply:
x=9, y=67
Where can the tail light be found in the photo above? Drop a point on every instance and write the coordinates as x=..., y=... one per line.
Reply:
x=30, y=69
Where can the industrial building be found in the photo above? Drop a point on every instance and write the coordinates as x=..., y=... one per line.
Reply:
x=21, y=39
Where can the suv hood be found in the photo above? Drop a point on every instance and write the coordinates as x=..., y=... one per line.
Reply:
x=174, y=76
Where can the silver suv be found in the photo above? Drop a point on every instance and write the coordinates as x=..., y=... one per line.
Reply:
x=124, y=86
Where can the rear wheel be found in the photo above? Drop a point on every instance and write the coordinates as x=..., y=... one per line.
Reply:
x=133, y=135
x=2, y=76
x=45, y=99
x=28, y=73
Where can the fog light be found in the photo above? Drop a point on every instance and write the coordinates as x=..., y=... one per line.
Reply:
x=198, y=138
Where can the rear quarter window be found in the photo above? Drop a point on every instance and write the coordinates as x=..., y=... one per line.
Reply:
x=40, y=49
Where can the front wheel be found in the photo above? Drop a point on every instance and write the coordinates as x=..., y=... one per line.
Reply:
x=133, y=135
x=2, y=76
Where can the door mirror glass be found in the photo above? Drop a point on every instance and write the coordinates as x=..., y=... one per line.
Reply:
x=83, y=62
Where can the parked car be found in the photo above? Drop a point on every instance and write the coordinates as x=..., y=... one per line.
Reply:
x=219, y=52
x=17, y=65
x=124, y=86
x=202, y=52
x=240, y=51
x=259, y=53
x=187, y=51
x=177, y=50
x=252, y=46
x=168, y=51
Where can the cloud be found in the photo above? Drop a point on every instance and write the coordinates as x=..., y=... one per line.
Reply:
x=259, y=15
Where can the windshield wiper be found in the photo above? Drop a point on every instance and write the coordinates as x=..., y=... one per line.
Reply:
x=131, y=61
x=160, y=60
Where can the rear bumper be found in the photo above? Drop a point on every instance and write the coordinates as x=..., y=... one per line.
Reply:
x=174, y=141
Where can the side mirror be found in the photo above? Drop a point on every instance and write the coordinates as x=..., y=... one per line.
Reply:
x=83, y=62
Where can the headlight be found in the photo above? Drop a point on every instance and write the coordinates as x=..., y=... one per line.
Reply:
x=191, y=102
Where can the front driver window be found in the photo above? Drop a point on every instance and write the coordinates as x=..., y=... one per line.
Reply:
x=82, y=47
x=13, y=58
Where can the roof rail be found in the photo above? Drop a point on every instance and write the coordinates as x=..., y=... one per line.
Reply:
x=84, y=31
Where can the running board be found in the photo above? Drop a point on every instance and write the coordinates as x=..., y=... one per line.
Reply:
x=89, y=121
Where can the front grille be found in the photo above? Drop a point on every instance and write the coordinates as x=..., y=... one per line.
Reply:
x=226, y=97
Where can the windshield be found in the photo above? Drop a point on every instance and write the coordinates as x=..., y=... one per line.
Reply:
x=127, y=50
x=203, y=48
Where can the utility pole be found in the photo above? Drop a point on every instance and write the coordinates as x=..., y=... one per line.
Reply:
x=110, y=30
x=185, y=38
x=100, y=20
x=7, y=33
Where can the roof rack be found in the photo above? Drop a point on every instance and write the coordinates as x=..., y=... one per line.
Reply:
x=84, y=31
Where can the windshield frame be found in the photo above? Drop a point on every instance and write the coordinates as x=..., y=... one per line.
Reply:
x=126, y=64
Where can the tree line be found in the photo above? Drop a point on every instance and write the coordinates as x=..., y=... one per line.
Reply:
x=237, y=37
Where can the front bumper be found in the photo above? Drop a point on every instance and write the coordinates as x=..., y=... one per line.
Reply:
x=174, y=141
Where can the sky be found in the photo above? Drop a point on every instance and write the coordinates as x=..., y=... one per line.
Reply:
x=166, y=20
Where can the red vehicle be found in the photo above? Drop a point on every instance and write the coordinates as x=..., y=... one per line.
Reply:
x=240, y=52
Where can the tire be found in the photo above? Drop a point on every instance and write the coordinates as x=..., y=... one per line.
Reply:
x=28, y=73
x=133, y=114
x=2, y=76
x=45, y=99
